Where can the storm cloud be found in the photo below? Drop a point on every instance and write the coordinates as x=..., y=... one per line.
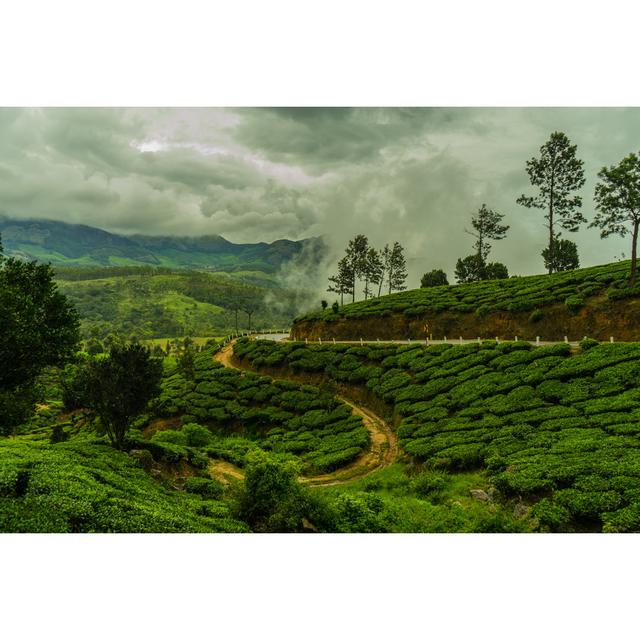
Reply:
x=412, y=175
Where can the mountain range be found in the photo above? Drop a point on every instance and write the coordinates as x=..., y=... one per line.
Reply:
x=61, y=243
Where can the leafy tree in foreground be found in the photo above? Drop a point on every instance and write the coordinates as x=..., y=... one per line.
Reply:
x=397, y=273
x=272, y=499
x=563, y=258
x=119, y=387
x=618, y=204
x=435, y=278
x=557, y=174
x=38, y=328
x=486, y=224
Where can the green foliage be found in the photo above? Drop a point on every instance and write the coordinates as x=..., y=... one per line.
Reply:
x=469, y=269
x=588, y=343
x=435, y=278
x=80, y=486
x=286, y=418
x=38, y=328
x=546, y=422
x=490, y=296
x=205, y=487
x=574, y=303
x=617, y=198
x=536, y=316
x=118, y=388
x=557, y=174
x=562, y=256
x=271, y=498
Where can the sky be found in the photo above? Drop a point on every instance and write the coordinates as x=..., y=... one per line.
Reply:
x=260, y=174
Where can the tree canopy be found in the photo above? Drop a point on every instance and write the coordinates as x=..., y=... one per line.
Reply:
x=617, y=197
x=38, y=328
x=557, y=174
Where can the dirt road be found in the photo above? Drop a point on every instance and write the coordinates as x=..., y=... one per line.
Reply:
x=381, y=452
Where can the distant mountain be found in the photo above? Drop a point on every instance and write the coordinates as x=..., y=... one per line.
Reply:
x=61, y=243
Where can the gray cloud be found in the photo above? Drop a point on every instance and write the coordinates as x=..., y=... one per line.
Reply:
x=415, y=175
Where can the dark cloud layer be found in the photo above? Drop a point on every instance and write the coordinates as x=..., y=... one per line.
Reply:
x=415, y=175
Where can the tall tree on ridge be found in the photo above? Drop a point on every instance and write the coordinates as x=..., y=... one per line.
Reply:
x=486, y=224
x=357, y=256
x=342, y=282
x=557, y=174
x=372, y=272
x=397, y=274
x=617, y=199
x=385, y=258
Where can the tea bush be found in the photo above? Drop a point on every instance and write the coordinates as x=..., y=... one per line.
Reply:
x=529, y=293
x=239, y=412
x=546, y=422
x=82, y=486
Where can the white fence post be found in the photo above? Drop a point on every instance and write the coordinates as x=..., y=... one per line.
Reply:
x=334, y=341
x=360, y=340
x=516, y=338
x=460, y=339
x=497, y=341
x=611, y=339
x=537, y=341
x=445, y=338
x=566, y=339
x=479, y=341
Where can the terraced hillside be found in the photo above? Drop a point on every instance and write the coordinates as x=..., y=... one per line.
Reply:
x=557, y=431
x=245, y=411
x=594, y=302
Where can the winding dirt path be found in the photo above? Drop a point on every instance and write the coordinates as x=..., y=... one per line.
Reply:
x=381, y=453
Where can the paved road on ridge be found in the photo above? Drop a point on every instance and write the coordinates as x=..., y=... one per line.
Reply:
x=278, y=337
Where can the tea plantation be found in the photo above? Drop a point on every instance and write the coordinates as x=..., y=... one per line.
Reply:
x=528, y=293
x=556, y=430
x=87, y=486
x=245, y=411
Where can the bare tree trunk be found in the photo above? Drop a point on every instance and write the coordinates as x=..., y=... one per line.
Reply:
x=634, y=249
x=551, y=238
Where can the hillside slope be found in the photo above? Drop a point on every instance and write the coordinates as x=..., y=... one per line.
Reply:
x=594, y=302
x=152, y=303
x=558, y=432
x=74, y=244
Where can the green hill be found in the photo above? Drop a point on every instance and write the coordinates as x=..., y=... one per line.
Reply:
x=159, y=303
x=61, y=243
x=595, y=302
